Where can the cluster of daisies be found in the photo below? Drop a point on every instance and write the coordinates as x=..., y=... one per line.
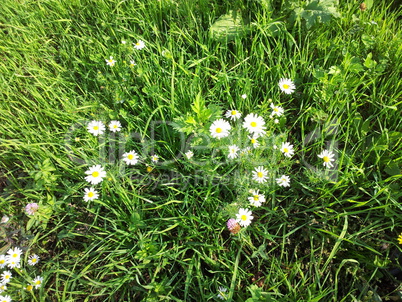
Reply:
x=256, y=128
x=137, y=45
x=96, y=173
x=12, y=260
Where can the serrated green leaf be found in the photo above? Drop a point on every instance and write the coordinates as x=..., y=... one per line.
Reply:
x=228, y=27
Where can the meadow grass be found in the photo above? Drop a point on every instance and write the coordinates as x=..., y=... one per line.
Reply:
x=160, y=234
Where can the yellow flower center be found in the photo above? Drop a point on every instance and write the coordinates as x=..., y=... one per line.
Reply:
x=130, y=156
x=256, y=197
x=285, y=150
x=15, y=255
x=2, y=261
x=234, y=112
x=276, y=109
x=115, y=126
x=7, y=277
x=285, y=86
x=218, y=130
x=34, y=259
x=326, y=159
x=95, y=174
x=90, y=194
x=253, y=124
x=243, y=217
x=96, y=127
x=253, y=141
x=138, y=43
x=149, y=169
x=38, y=282
x=29, y=287
x=260, y=174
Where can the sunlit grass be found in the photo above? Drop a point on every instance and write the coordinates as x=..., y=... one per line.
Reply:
x=159, y=233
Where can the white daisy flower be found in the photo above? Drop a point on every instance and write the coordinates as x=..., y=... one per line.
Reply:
x=254, y=141
x=90, y=194
x=115, y=126
x=95, y=174
x=286, y=85
x=256, y=199
x=233, y=114
x=37, y=282
x=96, y=128
x=260, y=174
x=139, y=45
x=155, y=158
x=13, y=263
x=287, y=149
x=110, y=62
x=244, y=96
x=5, y=298
x=189, y=154
x=6, y=277
x=327, y=157
x=131, y=158
x=254, y=124
x=220, y=128
x=276, y=110
x=283, y=181
x=33, y=259
x=3, y=261
x=3, y=287
x=132, y=63
x=233, y=151
x=244, y=217
x=222, y=293
x=14, y=253
x=29, y=287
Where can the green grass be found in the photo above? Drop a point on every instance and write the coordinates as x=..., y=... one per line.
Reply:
x=161, y=235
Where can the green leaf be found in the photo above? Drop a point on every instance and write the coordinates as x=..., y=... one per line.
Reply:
x=228, y=27
x=318, y=11
x=369, y=63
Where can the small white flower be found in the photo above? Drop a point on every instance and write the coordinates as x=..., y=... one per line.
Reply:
x=287, y=85
x=256, y=199
x=110, y=62
x=233, y=114
x=13, y=263
x=95, y=174
x=14, y=253
x=222, y=293
x=155, y=158
x=276, y=121
x=5, y=298
x=254, y=141
x=37, y=282
x=260, y=174
x=96, y=128
x=189, y=154
x=115, y=126
x=5, y=219
x=327, y=157
x=254, y=124
x=244, y=217
x=123, y=42
x=33, y=259
x=283, y=181
x=139, y=45
x=131, y=158
x=233, y=151
x=6, y=277
x=132, y=63
x=3, y=287
x=90, y=194
x=244, y=96
x=3, y=261
x=276, y=110
x=287, y=149
x=220, y=128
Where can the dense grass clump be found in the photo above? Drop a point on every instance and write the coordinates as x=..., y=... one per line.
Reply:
x=309, y=175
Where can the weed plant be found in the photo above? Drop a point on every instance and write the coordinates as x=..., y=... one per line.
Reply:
x=181, y=212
